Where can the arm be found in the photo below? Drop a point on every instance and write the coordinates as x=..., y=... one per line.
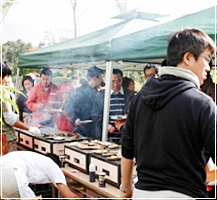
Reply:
x=31, y=101
x=23, y=184
x=97, y=114
x=208, y=128
x=65, y=191
x=126, y=176
x=12, y=119
x=128, y=154
x=72, y=105
x=31, y=129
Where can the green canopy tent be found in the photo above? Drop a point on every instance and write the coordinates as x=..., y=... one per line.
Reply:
x=151, y=44
x=148, y=45
x=90, y=48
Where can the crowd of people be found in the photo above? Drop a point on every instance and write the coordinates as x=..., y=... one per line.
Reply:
x=170, y=122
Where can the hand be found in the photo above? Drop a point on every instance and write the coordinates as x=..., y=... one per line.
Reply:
x=77, y=122
x=34, y=131
x=111, y=129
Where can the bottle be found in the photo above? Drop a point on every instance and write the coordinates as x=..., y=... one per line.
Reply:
x=92, y=174
x=62, y=161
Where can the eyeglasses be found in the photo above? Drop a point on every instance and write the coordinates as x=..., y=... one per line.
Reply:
x=208, y=59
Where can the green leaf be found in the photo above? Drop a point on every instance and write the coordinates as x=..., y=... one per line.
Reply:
x=14, y=90
x=14, y=105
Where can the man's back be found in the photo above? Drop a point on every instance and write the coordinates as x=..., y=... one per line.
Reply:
x=172, y=121
x=30, y=167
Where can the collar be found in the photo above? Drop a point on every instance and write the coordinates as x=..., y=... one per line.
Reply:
x=181, y=73
x=120, y=91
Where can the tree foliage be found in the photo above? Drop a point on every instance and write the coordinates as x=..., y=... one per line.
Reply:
x=11, y=50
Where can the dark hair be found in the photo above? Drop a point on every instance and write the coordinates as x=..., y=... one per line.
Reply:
x=46, y=72
x=149, y=66
x=27, y=78
x=164, y=63
x=53, y=157
x=83, y=81
x=193, y=41
x=117, y=71
x=102, y=84
x=126, y=82
x=93, y=71
x=210, y=64
x=7, y=69
x=74, y=77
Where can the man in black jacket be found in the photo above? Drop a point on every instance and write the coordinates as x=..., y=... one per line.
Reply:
x=170, y=124
x=80, y=103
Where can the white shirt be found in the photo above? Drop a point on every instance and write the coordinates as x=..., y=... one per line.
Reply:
x=32, y=168
x=121, y=91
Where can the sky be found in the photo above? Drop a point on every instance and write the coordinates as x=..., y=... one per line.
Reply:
x=33, y=20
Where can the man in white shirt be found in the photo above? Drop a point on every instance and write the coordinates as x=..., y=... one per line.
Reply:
x=21, y=168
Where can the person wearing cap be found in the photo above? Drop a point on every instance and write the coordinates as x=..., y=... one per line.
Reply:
x=80, y=103
x=63, y=121
x=42, y=95
x=9, y=118
x=150, y=71
x=171, y=124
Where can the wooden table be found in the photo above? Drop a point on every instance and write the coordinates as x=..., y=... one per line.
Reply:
x=109, y=191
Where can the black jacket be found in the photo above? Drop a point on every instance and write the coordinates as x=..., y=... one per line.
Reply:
x=21, y=103
x=169, y=125
x=79, y=105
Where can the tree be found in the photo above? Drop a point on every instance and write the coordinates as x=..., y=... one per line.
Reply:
x=54, y=36
x=11, y=50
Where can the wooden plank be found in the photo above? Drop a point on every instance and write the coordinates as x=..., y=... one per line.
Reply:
x=109, y=191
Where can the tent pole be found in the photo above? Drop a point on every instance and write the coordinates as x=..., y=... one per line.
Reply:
x=17, y=78
x=109, y=70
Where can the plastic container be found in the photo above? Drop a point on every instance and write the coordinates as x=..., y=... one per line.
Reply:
x=102, y=179
x=62, y=161
x=92, y=173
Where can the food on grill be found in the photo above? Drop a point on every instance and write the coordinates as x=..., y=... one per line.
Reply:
x=100, y=151
x=114, y=158
x=113, y=146
x=110, y=153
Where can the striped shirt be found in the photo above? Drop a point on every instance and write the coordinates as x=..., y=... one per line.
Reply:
x=116, y=107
